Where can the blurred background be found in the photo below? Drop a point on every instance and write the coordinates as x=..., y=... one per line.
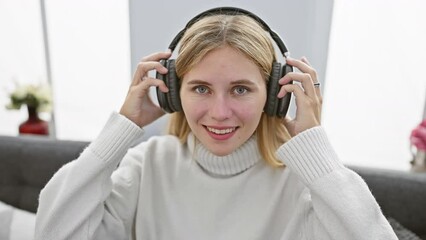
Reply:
x=370, y=56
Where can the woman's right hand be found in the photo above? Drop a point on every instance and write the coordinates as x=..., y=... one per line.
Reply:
x=138, y=106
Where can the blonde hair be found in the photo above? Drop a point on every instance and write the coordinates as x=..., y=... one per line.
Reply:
x=245, y=35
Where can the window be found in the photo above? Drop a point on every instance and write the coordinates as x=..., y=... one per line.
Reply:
x=22, y=55
x=90, y=55
x=376, y=87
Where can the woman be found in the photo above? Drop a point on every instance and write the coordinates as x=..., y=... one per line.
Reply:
x=226, y=170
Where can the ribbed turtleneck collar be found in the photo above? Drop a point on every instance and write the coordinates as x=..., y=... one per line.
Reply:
x=237, y=162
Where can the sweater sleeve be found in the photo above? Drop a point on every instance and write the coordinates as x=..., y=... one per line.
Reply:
x=88, y=198
x=341, y=206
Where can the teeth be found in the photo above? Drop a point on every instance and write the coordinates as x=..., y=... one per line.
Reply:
x=221, y=131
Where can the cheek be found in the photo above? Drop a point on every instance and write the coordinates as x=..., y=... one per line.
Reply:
x=193, y=110
x=250, y=112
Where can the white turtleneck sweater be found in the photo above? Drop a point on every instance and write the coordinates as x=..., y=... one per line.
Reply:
x=163, y=189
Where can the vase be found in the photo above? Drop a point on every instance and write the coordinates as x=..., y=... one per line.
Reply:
x=34, y=125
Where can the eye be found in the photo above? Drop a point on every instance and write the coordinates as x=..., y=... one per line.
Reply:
x=240, y=90
x=201, y=89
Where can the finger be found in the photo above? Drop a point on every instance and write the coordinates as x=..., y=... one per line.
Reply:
x=282, y=92
x=317, y=87
x=287, y=121
x=142, y=89
x=305, y=60
x=297, y=91
x=143, y=68
x=303, y=78
x=153, y=82
x=303, y=67
x=157, y=56
x=159, y=83
x=304, y=102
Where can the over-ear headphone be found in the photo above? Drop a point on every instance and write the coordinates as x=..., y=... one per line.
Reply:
x=170, y=101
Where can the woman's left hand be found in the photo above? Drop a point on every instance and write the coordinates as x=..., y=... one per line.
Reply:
x=308, y=97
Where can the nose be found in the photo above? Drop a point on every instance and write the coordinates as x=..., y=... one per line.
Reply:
x=221, y=108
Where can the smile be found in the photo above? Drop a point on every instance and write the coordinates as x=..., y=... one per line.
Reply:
x=221, y=131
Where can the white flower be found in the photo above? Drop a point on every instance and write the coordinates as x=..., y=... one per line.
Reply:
x=38, y=96
x=20, y=92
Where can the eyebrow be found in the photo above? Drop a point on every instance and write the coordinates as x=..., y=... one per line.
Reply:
x=243, y=82
x=198, y=82
x=236, y=82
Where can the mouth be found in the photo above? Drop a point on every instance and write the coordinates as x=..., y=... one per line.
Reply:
x=221, y=133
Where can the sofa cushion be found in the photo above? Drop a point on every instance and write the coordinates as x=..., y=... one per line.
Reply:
x=401, y=232
x=26, y=165
x=400, y=194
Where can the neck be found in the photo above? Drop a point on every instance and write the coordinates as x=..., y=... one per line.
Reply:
x=236, y=162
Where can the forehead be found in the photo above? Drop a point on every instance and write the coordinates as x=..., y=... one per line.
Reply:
x=224, y=64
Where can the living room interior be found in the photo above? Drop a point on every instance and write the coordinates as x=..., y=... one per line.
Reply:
x=368, y=55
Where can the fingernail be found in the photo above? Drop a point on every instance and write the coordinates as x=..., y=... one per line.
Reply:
x=283, y=80
x=281, y=94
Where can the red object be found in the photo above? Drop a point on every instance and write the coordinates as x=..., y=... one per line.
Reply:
x=34, y=125
x=418, y=136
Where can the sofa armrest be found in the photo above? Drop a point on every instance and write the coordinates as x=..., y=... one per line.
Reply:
x=401, y=195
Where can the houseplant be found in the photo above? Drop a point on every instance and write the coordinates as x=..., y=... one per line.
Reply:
x=37, y=98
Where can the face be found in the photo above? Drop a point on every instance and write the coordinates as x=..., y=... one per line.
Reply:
x=223, y=98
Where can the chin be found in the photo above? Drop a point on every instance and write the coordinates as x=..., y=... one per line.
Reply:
x=220, y=153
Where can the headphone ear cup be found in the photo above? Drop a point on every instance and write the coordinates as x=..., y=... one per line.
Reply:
x=173, y=96
x=161, y=96
x=273, y=88
x=284, y=102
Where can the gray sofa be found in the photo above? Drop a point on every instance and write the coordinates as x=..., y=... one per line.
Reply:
x=27, y=163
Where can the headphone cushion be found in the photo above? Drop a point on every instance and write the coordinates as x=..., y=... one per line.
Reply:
x=284, y=102
x=161, y=96
x=271, y=105
x=172, y=82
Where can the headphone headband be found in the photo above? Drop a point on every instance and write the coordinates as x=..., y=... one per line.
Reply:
x=231, y=11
